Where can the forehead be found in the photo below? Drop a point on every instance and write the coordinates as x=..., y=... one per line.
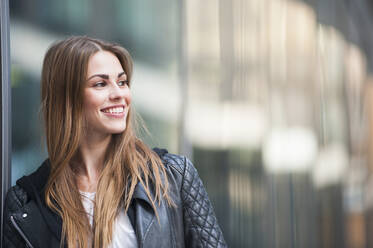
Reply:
x=104, y=62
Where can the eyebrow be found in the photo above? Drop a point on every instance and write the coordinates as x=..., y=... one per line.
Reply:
x=105, y=76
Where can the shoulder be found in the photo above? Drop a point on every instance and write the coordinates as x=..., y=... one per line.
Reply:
x=16, y=198
x=181, y=169
x=21, y=193
x=174, y=162
x=178, y=163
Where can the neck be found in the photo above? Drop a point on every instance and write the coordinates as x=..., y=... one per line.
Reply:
x=89, y=162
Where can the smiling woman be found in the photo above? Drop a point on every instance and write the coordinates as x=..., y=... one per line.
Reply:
x=101, y=185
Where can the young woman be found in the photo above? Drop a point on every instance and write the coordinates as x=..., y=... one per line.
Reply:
x=102, y=186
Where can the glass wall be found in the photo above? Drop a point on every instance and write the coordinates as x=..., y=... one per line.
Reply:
x=276, y=119
x=269, y=98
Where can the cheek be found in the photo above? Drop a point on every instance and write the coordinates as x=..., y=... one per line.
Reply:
x=92, y=101
x=129, y=98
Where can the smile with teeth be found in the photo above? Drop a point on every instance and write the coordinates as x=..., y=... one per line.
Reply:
x=116, y=110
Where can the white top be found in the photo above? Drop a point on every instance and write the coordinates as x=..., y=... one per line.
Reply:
x=124, y=235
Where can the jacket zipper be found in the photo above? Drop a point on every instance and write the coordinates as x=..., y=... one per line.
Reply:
x=20, y=232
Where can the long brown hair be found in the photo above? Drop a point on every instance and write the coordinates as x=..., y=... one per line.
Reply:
x=128, y=160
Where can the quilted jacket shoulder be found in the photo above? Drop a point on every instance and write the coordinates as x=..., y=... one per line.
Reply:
x=201, y=228
x=15, y=199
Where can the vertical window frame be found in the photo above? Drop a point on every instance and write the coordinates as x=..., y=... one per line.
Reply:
x=5, y=119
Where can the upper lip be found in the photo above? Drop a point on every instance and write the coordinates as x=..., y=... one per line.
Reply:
x=114, y=106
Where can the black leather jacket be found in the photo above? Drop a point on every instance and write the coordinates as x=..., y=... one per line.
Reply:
x=29, y=223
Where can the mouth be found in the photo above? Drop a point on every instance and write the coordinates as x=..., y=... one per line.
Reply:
x=117, y=110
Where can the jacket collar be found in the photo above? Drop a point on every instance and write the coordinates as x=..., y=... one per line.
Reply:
x=144, y=213
x=37, y=179
x=139, y=193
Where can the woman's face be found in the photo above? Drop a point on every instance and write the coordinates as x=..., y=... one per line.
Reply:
x=106, y=95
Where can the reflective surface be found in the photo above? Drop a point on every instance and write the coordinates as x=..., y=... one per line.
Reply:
x=269, y=98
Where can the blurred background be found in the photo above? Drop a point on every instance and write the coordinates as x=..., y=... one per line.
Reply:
x=271, y=100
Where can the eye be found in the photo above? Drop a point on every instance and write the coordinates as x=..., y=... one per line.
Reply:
x=100, y=84
x=123, y=82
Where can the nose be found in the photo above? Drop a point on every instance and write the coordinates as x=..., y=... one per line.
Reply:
x=117, y=93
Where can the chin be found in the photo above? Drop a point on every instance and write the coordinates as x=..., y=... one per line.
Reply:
x=117, y=130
